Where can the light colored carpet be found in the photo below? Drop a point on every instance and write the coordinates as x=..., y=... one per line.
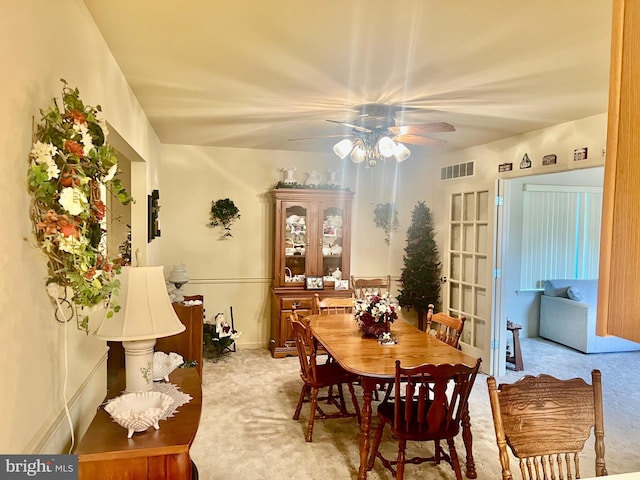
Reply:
x=247, y=432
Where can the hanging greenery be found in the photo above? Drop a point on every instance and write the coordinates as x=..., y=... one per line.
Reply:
x=223, y=213
x=420, y=276
x=385, y=216
x=70, y=163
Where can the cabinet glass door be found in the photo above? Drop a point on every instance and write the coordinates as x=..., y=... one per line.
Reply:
x=332, y=244
x=296, y=244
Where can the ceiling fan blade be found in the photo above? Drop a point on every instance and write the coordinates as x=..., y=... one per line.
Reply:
x=418, y=140
x=321, y=136
x=350, y=125
x=425, y=128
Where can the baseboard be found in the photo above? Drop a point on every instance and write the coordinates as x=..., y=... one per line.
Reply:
x=54, y=435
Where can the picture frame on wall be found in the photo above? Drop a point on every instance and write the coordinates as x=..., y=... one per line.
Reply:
x=313, y=283
x=153, y=210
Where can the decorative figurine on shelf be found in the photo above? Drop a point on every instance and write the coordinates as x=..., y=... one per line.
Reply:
x=332, y=177
x=314, y=178
x=289, y=178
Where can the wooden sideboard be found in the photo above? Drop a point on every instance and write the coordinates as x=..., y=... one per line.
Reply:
x=190, y=342
x=105, y=452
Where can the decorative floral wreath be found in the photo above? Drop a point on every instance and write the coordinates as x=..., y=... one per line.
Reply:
x=70, y=164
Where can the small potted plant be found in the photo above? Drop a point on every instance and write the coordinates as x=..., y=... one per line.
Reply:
x=223, y=213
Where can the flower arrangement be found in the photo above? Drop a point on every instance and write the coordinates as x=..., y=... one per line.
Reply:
x=223, y=213
x=70, y=164
x=219, y=336
x=374, y=313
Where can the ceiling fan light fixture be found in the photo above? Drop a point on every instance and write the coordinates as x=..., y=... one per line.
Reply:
x=401, y=152
x=386, y=147
x=343, y=148
x=358, y=154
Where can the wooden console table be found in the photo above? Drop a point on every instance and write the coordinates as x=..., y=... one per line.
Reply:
x=105, y=452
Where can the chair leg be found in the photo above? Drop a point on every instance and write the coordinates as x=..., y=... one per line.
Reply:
x=375, y=445
x=455, y=462
x=343, y=406
x=303, y=393
x=402, y=445
x=354, y=399
x=312, y=414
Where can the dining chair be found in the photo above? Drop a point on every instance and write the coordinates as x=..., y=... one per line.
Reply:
x=546, y=422
x=333, y=305
x=364, y=287
x=432, y=410
x=316, y=377
x=445, y=327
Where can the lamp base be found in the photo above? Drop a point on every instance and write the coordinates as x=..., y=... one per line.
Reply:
x=178, y=296
x=138, y=362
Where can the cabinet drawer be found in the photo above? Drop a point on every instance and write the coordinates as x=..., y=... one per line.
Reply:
x=289, y=303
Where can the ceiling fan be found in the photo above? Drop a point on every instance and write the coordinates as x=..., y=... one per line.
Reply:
x=374, y=134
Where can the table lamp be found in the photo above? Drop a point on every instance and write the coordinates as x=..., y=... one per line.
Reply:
x=178, y=277
x=145, y=314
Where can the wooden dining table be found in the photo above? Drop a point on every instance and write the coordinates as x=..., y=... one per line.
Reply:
x=340, y=335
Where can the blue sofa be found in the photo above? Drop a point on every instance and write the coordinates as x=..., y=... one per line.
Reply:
x=568, y=317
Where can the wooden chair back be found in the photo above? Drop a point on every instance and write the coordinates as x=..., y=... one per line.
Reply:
x=305, y=347
x=546, y=422
x=444, y=327
x=333, y=305
x=364, y=287
x=432, y=409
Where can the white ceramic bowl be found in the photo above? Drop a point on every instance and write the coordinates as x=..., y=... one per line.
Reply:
x=138, y=411
x=164, y=364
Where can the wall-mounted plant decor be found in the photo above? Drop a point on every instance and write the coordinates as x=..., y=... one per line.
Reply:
x=70, y=163
x=223, y=213
x=385, y=216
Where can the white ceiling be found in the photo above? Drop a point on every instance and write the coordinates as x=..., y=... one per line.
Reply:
x=256, y=73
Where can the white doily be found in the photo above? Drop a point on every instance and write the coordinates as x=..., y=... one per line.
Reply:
x=179, y=398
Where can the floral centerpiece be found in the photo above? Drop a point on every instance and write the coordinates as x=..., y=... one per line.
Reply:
x=219, y=336
x=374, y=314
x=71, y=164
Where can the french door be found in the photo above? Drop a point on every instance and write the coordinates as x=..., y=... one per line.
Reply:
x=470, y=266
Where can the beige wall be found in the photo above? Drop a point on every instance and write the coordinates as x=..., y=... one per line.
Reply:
x=41, y=42
x=237, y=271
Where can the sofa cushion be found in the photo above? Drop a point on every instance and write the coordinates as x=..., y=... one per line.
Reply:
x=553, y=290
x=575, y=294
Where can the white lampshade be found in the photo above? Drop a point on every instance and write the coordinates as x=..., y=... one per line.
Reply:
x=343, y=148
x=145, y=314
x=386, y=147
x=178, y=275
x=401, y=152
x=358, y=154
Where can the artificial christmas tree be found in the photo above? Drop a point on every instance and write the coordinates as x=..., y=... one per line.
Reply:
x=420, y=277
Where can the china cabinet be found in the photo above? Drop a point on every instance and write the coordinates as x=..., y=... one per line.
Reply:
x=312, y=243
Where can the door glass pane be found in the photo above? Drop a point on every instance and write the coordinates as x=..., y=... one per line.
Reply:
x=483, y=206
x=332, y=267
x=482, y=238
x=469, y=207
x=467, y=269
x=295, y=236
x=455, y=237
x=467, y=298
x=456, y=207
x=479, y=332
x=456, y=267
x=481, y=269
x=454, y=292
x=469, y=240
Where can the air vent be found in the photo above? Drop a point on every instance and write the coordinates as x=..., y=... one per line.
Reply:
x=456, y=171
